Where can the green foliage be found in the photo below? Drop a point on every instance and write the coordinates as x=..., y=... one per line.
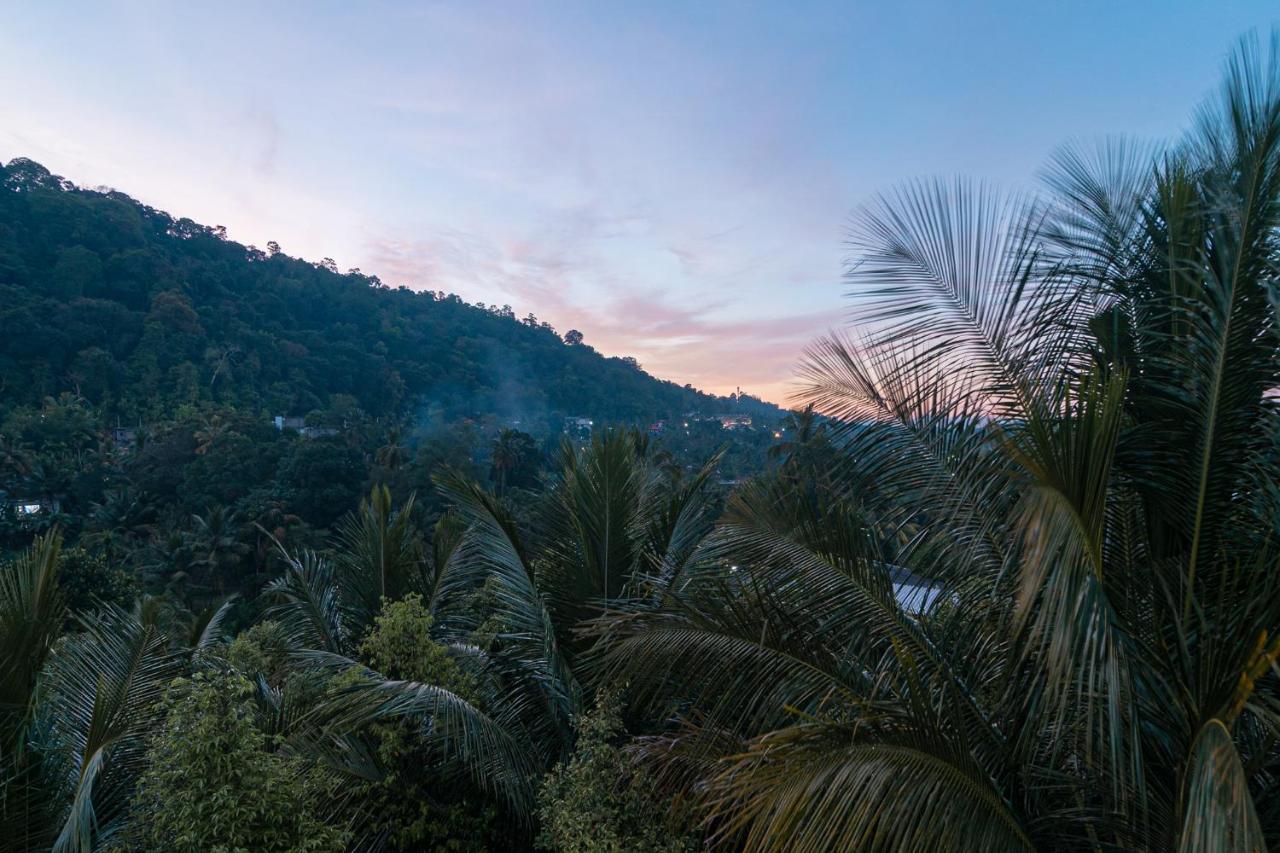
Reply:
x=420, y=803
x=145, y=357
x=32, y=609
x=261, y=649
x=400, y=646
x=97, y=708
x=77, y=707
x=597, y=801
x=95, y=283
x=380, y=557
x=1021, y=591
x=322, y=479
x=421, y=806
x=514, y=461
x=215, y=781
x=89, y=579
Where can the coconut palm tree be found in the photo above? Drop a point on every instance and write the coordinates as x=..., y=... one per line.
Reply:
x=326, y=608
x=79, y=703
x=613, y=528
x=511, y=449
x=393, y=454
x=217, y=545
x=1067, y=400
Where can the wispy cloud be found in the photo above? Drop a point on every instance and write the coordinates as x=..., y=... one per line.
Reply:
x=674, y=335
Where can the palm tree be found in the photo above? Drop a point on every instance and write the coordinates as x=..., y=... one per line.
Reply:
x=120, y=522
x=509, y=450
x=217, y=545
x=330, y=605
x=212, y=428
x=393, y=454
x=1067, y=400
x=79, y=703
x=326, y=609
x=612, y=529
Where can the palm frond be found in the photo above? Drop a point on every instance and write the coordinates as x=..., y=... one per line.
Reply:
x=379, y=556
x=208, y=628
x=101, y=693
x=814, y=787
x=1219, y=813
x=308, y=603
x=493, y=549
x=496, y=752
x=32, y=611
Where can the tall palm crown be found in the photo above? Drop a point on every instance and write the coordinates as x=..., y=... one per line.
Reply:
x=612, y=525
x=78, y=705
x=1058, y=410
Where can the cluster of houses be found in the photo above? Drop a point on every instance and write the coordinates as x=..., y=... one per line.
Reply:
x=581, y=427
x=734, y=421
x=578, y=428
x=725, y=421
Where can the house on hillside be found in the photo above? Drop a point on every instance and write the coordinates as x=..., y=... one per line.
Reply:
x=126, y=438
x=29, y=508
x=915, y=594
x=578, y=427
x=299, y=425
x=735, y=421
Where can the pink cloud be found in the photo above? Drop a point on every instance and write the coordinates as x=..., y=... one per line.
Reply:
x=680, y=339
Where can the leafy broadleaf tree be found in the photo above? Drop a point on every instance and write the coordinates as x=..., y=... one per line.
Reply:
x=598, y=800
x=215, y=781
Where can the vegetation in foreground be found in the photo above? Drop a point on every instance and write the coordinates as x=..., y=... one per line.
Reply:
x=1057, y=421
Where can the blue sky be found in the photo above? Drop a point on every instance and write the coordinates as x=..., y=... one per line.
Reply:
x=674, y=179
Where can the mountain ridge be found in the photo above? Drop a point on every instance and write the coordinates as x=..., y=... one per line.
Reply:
x=140, y=312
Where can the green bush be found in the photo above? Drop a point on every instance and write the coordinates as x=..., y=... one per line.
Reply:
x=214, y=783
x=421, y=803
x=597, y=802
x=90, y=580
x=263, y=648
x=400, y=646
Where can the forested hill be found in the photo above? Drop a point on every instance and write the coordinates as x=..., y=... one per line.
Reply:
x=140, y=313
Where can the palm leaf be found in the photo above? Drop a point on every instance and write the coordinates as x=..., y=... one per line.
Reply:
x=1219, y=810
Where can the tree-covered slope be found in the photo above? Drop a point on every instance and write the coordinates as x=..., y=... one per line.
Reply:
x=140, y=312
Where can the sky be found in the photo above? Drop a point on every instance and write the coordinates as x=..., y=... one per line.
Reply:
x=675, y=179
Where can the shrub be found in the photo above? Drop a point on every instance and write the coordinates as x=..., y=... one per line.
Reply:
x=214, y=783
x=597, y=802
x=263, y=648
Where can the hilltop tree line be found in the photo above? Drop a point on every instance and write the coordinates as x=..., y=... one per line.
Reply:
x=139, y=313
